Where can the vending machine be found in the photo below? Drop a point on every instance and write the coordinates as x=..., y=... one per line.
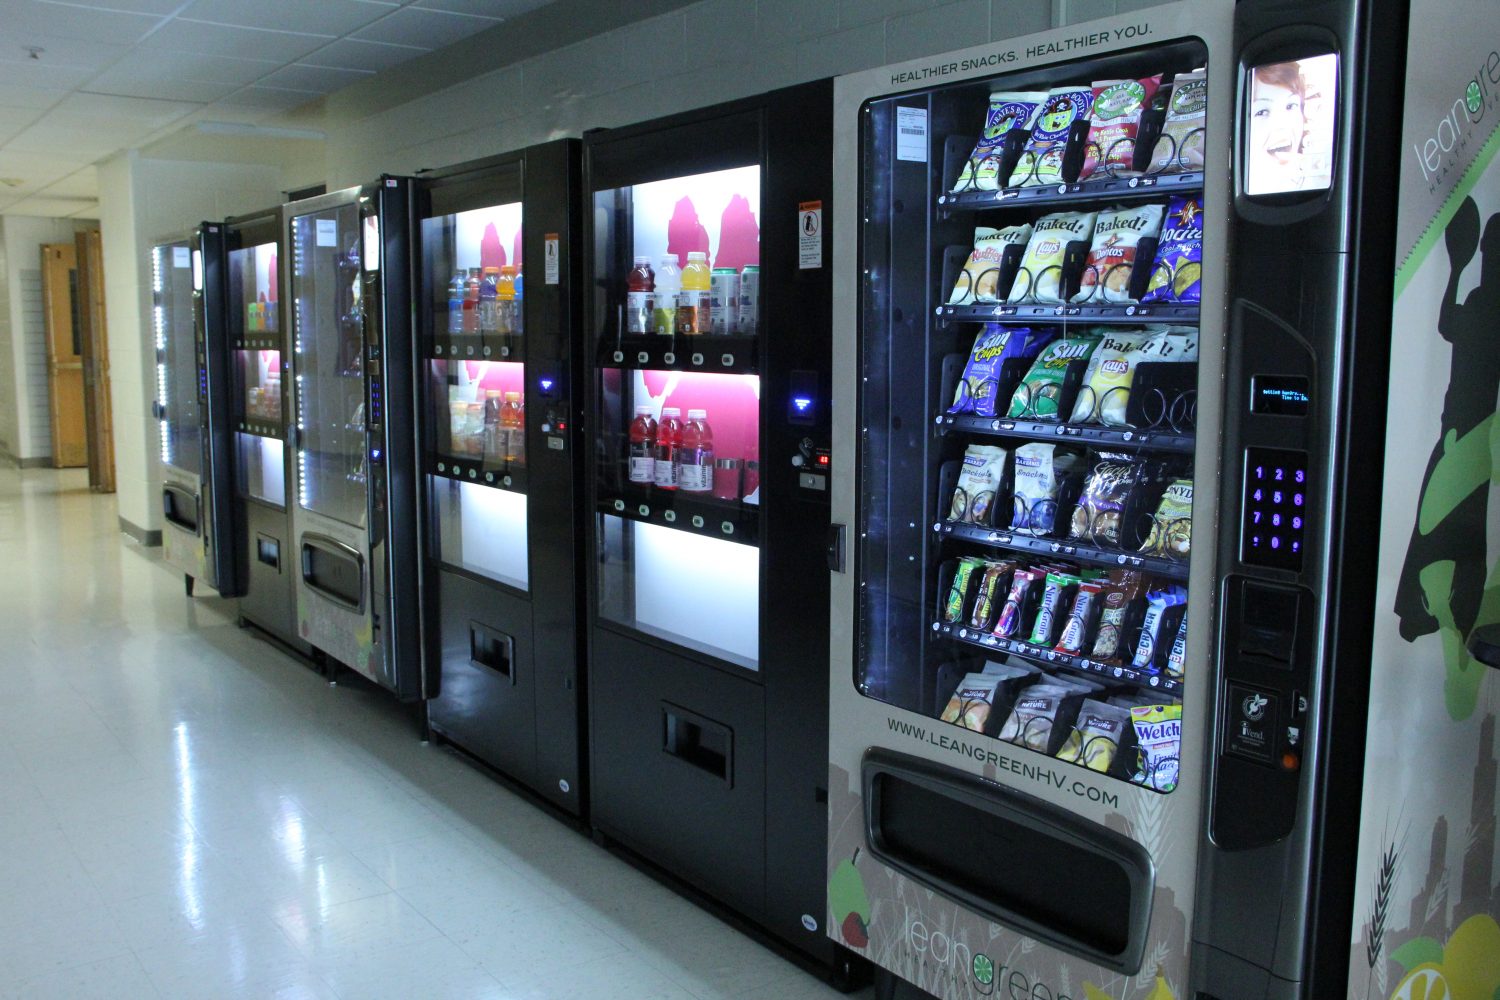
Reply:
x=348, y=275
x=707, y=318
x=191, y=407
x=256, y=333
x=1110, y=328
x=498, y=332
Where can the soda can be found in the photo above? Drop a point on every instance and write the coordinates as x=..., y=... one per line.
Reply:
x=638, y=307
x=749, y=311
x=725, y=305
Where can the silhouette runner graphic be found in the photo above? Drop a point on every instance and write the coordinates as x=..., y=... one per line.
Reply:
x=1444, y=586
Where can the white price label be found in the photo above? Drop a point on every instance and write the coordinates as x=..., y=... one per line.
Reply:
x=181, y=257
x=911, y=134
x=327, y=232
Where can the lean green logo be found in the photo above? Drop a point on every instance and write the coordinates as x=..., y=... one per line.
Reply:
x=983, y=969
x=1474, y=97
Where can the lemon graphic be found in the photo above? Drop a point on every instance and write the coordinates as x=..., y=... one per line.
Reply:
x=1471, y=959
x=1425, y=982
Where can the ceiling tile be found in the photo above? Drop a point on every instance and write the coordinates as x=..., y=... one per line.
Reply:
x=102, y=110
x=25, y=18
x=20, y=96
x=430, y=28
x=264, y=98
x=38, y=205
x=42, y=76
x=36, y=170
x=349, y=53
x=325, y=17
x=87, y=144
x=12, y=120
x=62, y=51
x=83, y=184
x=184, y=35
x=144, y=64
x=142, y=84
x=484, y=8
x=322, y=79
x=162, y=7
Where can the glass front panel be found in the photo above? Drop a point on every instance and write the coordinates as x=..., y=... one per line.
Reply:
x=481, y=530
x=176, y=356
x=474, y=283
x=480, y=413
x=261, y=474
x=328, y=318
x=678, y=436
x=1028, y=351
x=253, y=293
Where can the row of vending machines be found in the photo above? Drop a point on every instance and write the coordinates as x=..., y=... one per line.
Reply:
x=1007, y=579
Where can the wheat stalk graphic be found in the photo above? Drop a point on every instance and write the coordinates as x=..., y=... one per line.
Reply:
x=1385, y=883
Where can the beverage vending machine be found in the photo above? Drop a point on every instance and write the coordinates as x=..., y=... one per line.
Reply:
x=707, y=427
x=192, y=407
x=1102, y=439
x=354, y=512
x=497, y=323
x=259, y=408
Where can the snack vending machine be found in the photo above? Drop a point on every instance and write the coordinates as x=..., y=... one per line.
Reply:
x=191, y=407
x=354, y=516
x=707, y=324
x=1096, y=660
x=256, y=335
x=497, y=320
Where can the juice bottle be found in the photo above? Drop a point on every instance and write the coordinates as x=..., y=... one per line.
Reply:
x=668, y=441
x=751, y=475
x=695, y=459
x=471, y=301
x=638, y=288
x=513, y=422
x=488, y=290
x=693, y=300
x=520, y=317
x=668, y=284
x=474, y=429
x=505, y=297
x=494, y=435
x=458, y=419
x=260, y=313
x=642, y=446
x=456, y=303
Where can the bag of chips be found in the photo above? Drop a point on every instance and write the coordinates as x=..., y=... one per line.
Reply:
x=1096, y=736
x=1180, y=147
x=1040, y=473
x=1177, y=274
x=978, y=484
x=1111, y=260
x=1024, y=585
x=1057, y=594
x=1101, y=508
x=992, y=587
x=1113, y=125
x=1162, y=608
x=1007, y=111
x=958, y=590
x=1040, y=277
x=1105, y=391
x=980, y=278
x=1044, y=712
x=1041, y=161
x=1040, y=391
x=1172, y=524
x=972, y=702
x=1158, y=735
x=1119, y=594
x=993, y=346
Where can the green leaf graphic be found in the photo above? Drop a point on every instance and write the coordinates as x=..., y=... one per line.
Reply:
x=1418, y=951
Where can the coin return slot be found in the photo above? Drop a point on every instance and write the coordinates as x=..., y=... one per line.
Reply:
x=492, y=650
x=268, y=551
x=701, y=742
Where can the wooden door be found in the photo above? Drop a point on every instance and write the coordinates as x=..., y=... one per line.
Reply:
x=95, y=343
x=70, y=446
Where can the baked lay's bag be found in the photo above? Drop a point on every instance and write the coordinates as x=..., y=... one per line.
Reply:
x=1111, y=261
x=1113, y=125
x=1177, y=274
x=1040, y=277
x=1180, y=147
x=1007, y=111
x=1041, y=161
x=979, y=279
x=1109, y=379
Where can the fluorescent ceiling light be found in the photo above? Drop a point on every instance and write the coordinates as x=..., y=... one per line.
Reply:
x=260, y=131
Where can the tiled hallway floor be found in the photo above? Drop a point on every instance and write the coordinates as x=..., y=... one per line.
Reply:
x=186, y=812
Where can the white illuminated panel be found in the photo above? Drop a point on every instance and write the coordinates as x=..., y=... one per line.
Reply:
x=700, y=590
x=666, y=212
x=270, y=484
x=491, y=531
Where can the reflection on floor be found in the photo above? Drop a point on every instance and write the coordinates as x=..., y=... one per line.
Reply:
x=189, y=813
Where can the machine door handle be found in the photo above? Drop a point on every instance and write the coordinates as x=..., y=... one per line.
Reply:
x=835, y=548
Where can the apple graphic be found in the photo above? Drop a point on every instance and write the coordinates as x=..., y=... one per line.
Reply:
x=850, y=903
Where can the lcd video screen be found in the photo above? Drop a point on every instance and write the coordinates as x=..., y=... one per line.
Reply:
x=1289, y=126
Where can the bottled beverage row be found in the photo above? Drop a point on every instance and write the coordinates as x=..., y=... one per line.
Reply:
x=691, y=300
x=494, y=430
x=260, y=315
x=486, y=301
x=263, y=402
x=679, y=456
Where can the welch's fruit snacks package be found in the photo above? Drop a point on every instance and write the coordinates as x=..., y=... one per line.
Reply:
x=1008, y=110
x=1041, y=161
x=1113, y=125
x=1179, y=149
x=1040, y=277
x=1112, y=253
x=993, y=346
x=1158, y=735
x=1177, y=275
x=1039, y=394
x=979, y=279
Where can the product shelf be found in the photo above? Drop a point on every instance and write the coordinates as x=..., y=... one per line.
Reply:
x=473, y=347
x=1049, y=657
x=1112, y=189
x=732, y=521
x=716, y=353
x=512, y=477
x=1085, y=554
x=262, y=428
x=268, y=340
x=1153, y=438
x=1122, y=314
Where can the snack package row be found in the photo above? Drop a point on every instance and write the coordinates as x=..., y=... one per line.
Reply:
x=1039, y=477
x=1114, y=236
x=1073, y=718
x=1113, y=355
x=1113, y=110
x=1119, y=617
